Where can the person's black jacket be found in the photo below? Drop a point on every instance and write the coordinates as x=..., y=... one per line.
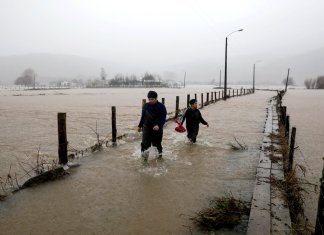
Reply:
x=153, y=114
x=193, y=117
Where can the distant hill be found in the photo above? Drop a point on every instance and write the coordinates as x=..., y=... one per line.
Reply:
x=302, y=66
x=49, y=67
x=270, y=70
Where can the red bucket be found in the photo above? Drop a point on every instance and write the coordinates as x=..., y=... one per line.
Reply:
x=180, y=128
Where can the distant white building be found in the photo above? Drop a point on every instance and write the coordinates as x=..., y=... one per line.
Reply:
x=65, y=84
x=174, y=84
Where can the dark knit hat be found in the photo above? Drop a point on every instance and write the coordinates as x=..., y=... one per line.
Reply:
x=152, y=94
x=192, y=101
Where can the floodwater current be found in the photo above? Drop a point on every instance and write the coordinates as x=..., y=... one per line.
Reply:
x=306, y=111
x=112, y=191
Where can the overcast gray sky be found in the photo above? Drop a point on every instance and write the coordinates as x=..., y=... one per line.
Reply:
x=157, y=33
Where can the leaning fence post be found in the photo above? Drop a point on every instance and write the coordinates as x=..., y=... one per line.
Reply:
x=177, y=107
x=319, y=228
x=113, y=124
x=292, y=148
x=62, y=139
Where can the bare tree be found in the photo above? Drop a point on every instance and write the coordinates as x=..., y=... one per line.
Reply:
x=291, y=81
x=308, y=83
x=315, y=83
x=320, y=82
x=103, y=74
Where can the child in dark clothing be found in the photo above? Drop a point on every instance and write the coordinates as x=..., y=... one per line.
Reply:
x=151, y=123
x=193, y=116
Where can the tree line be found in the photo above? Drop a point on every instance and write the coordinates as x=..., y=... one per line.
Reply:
x=28, y=78
x=121, y=80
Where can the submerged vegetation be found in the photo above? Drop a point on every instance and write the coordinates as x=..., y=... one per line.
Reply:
x=40, y=168
x=223, y=212
x=237, y=145
x=38, y=171
x=290, y=185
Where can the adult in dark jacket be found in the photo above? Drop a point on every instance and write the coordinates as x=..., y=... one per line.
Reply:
x=151, y=123
x=193, y=117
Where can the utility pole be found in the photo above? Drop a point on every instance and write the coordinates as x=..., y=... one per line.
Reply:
x=225, y=76
x=253, y=76
x=34, y=81
x=287, y=81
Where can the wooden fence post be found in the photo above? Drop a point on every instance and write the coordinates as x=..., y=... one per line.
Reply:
x=284, y=113
x=287, y=125
x=202, y=100
x=319, y=228
x=62, y=139
x=143, y=103
x=292, y=148
x=163, y=100
x=113, y=125
x=207, y=98
x=177, y=107
x=188, y=99
x=195, y=96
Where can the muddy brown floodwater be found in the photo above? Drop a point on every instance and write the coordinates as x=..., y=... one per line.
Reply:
x=113, y=192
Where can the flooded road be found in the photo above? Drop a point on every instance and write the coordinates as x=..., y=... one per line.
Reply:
x=112, y=192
